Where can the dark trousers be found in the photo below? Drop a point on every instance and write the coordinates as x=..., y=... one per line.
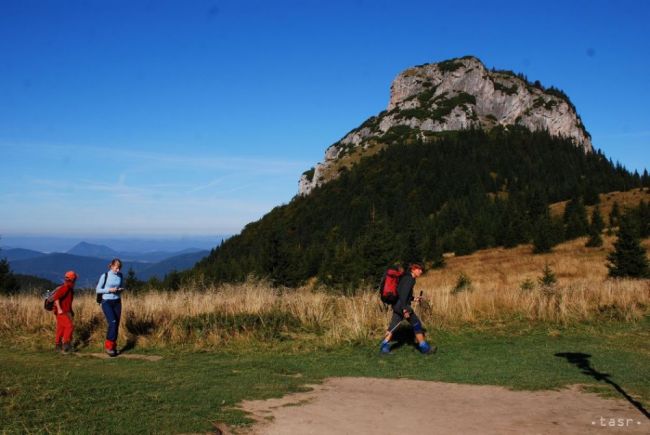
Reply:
x=113, y=312
x=413, y=320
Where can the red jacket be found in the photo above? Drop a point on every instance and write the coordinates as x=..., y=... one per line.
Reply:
x=65, y=294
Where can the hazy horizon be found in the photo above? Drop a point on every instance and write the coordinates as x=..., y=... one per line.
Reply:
x=124, y=243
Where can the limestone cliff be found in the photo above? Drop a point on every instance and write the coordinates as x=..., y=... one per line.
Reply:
x=452, y=95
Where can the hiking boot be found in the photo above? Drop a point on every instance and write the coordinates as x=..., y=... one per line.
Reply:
x=58, y=347
x=426, y=349
x=67, y=348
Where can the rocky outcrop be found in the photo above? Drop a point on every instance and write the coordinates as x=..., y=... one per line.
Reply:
x=455, y=95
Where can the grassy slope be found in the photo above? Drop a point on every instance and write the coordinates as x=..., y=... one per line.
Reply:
x=187, y=391
x=499, y=267
x=627, y=199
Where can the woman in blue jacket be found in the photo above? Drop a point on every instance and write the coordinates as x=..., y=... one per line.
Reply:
x=110, y=286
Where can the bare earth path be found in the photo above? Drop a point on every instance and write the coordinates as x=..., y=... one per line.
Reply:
x=392, y=406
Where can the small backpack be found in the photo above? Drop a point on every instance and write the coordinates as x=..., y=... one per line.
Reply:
x=388, y=288
x=98, y=296
x=48, y=304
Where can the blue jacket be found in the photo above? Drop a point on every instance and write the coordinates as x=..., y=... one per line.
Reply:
x=112, y=280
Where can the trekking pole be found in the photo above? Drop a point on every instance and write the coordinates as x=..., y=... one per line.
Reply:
x=395, y=327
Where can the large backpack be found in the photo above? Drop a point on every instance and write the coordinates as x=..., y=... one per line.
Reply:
x=388, y=287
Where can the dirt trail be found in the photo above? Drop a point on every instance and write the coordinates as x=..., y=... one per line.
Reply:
x=388, y=406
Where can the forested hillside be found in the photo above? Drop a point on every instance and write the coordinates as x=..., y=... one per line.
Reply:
x=460, y=191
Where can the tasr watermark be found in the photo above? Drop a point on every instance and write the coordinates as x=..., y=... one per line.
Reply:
x=616, y=422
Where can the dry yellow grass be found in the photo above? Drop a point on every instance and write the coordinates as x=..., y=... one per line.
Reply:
x=628, y=199
x=202, y=318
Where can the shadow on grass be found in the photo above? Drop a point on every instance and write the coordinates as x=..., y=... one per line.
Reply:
x=581, y=360
x=136, y=329
x=402, y=336
x=85, y=330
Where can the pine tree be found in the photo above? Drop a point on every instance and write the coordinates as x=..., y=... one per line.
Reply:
x=132, y=283
x=644, y=219
x=595, y=228
x=8, y=282
x=548, y=278
x=575, y=219
x=412, y=251
x=629, y=258
x=543, y=237
x=377, y=250
x=614, y=215
x=278, y=265
x=591, y=196
x=172, y=281
x=516, y=229
x=463, y=241
x=645, y=179
x=435, y=255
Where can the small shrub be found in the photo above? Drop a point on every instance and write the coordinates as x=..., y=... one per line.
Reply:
x=445, y=105
x=527, y=285
x=417, y=112
x=449, y=66
x=463, y=283
x=539, y=102
x=309, y=174
x=505, y=89
x=425, y=96
x=550, y=104
x=548, y=278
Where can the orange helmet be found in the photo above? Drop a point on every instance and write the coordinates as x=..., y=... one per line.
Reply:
x=71, y=275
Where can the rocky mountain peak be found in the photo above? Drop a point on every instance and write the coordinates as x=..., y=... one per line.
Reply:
x=455, y=94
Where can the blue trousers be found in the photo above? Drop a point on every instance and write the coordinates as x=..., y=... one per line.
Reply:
x=113, y=312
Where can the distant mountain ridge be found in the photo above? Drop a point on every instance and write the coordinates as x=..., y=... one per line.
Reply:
x=13, y=254
x=52, y=243
x=90, y=250
x=101, y=251
x=89, y=268
x=53, y=266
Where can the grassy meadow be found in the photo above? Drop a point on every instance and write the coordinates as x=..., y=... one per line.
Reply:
x=223, y=344
x=503, y=288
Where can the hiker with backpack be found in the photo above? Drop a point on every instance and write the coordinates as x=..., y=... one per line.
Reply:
x=109, y=289
x=402, y=310
x=62, y=308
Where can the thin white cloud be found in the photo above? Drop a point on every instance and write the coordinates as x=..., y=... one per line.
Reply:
x=176, y=160
x=151, y=191
x=212, y=183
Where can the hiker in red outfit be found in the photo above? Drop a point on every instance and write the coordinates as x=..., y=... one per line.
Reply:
x=62, y=299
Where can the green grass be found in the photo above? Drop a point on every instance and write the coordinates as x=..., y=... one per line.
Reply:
x=186, y=391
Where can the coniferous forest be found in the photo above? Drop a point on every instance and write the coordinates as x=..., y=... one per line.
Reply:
x=457, y=192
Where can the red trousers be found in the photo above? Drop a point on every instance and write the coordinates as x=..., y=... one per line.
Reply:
x=64, y=328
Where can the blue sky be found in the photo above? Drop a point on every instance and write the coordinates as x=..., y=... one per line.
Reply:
x=177, y=118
